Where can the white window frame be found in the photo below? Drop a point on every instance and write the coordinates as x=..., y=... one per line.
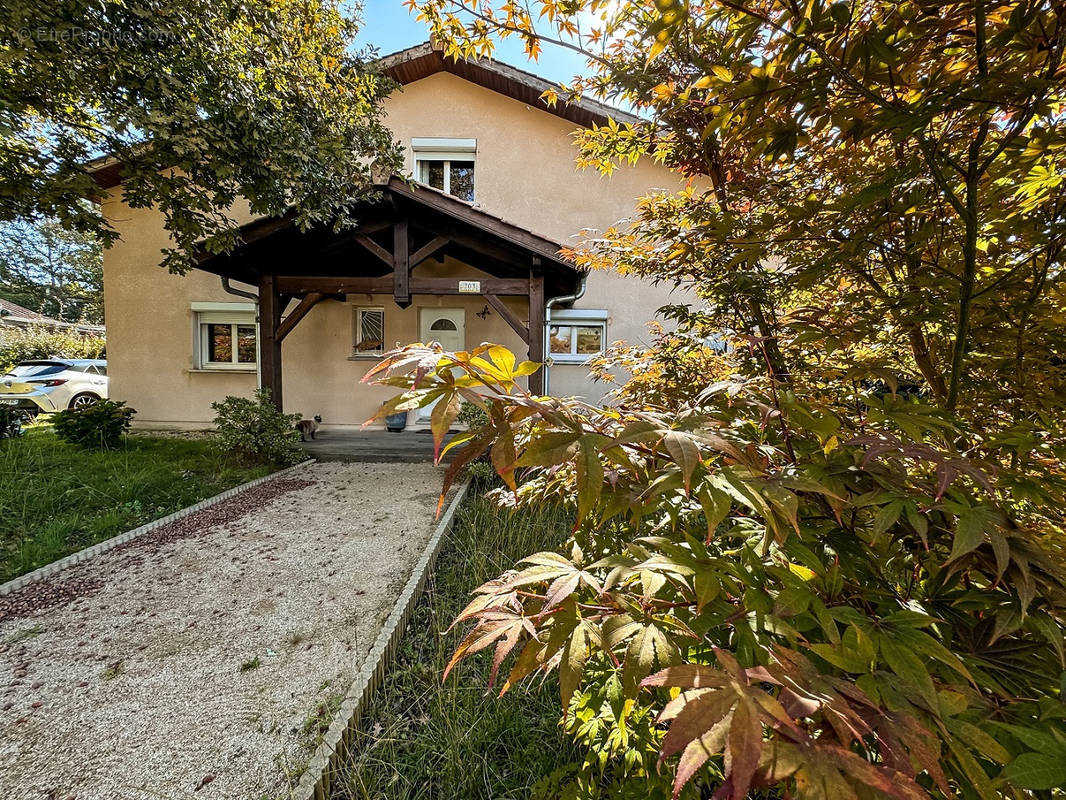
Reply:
x=357, y=332
x=576, y=318
x=427, y=150
x=236, y=315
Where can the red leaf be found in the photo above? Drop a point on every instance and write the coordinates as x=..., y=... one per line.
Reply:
x=697, y=718
x=696, y=755
x=686, y=676
x=745, y=747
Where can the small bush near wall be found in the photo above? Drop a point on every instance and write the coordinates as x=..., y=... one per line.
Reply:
x=37, y=342
x=10, y=422
x=473, y=416
x=99, y=425
x=255, y=432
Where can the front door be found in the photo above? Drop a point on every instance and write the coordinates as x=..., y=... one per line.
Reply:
x=444, y=325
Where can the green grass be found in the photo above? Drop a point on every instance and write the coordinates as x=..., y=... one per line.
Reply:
x=420, y=738
x=56, y=498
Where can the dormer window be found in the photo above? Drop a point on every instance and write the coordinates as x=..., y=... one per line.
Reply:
x=446, y=164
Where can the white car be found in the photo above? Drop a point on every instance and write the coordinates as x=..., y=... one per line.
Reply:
x=54, y=384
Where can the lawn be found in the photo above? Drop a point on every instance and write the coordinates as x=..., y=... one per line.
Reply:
x=421, y=738
x=56, y=498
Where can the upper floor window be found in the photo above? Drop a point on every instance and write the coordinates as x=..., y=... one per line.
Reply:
x=446, y=164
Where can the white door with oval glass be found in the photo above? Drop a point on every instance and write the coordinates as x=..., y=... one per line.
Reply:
x=444, y=325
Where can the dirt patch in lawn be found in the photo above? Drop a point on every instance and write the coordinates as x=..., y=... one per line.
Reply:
x=200, y=661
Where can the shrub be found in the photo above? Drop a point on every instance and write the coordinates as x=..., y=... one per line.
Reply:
x=862, y=596
x=255, y=432
x=11, y=421
x=472, y=415
x=38, y=341
x=101, y=424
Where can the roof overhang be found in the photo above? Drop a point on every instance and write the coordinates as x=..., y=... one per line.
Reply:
x=438, y=225
x=423, y=60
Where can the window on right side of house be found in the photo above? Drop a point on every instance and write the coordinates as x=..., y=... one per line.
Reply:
x=574, y=337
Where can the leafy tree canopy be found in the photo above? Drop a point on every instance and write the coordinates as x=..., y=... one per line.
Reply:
x=205, y=104
x=52, y=270
x=876, y=185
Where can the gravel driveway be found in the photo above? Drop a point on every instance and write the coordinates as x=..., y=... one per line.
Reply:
x=201, y=660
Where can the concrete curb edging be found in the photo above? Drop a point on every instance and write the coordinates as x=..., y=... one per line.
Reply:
x=315, y=782
x=48, y=570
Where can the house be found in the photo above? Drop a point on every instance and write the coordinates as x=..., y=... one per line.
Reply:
x=467, y=253
x=13, y=315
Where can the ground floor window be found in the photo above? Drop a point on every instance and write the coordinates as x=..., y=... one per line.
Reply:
x=575, y=335
x=369, y=339
x=226, y=338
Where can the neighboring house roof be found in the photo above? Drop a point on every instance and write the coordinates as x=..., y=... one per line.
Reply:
x=423, y=60
x=12, y=314
x=9, y=309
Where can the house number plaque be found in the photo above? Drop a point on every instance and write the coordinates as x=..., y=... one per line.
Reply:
x=469, y=287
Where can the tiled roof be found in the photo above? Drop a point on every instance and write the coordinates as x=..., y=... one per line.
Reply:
x=423, y=60
x=7, y=308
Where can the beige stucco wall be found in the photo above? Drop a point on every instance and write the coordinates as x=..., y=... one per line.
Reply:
x=525, y=174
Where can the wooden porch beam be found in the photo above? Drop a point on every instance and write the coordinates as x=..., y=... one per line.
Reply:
x=298, y=313
x=508, y=316
x=260, y=229
x=536, y=325
x=303, y=284
x=375, y=248
x=427, y=250
x=401, y=264
x=489, y=249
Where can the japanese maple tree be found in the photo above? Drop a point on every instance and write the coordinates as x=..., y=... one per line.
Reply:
x=818, y=541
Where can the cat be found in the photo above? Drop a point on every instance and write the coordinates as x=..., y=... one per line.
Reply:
x=308, y=426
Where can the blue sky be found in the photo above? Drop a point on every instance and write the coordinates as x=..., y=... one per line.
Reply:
x=390, y=26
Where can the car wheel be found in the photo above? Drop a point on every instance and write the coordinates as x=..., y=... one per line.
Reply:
x=82, y=400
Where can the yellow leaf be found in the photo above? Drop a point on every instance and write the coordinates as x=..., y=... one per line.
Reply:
x=800, y=571
x=660, y=43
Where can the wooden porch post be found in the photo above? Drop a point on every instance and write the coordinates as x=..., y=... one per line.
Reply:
x=401, y=264
x=536, y=325
x=269, y=343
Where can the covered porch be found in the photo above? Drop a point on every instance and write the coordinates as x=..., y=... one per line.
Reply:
x=412, y=244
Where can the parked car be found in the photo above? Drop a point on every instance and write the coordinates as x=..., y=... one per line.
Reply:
x=54, y=384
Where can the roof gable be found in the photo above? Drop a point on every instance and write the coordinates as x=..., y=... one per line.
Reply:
x=423, y=60
x=444, y=224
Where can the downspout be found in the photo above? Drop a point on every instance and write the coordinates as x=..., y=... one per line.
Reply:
x=254, y=297
x=563, y=298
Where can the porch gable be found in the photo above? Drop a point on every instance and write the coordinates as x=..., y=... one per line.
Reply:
x=407, y=225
